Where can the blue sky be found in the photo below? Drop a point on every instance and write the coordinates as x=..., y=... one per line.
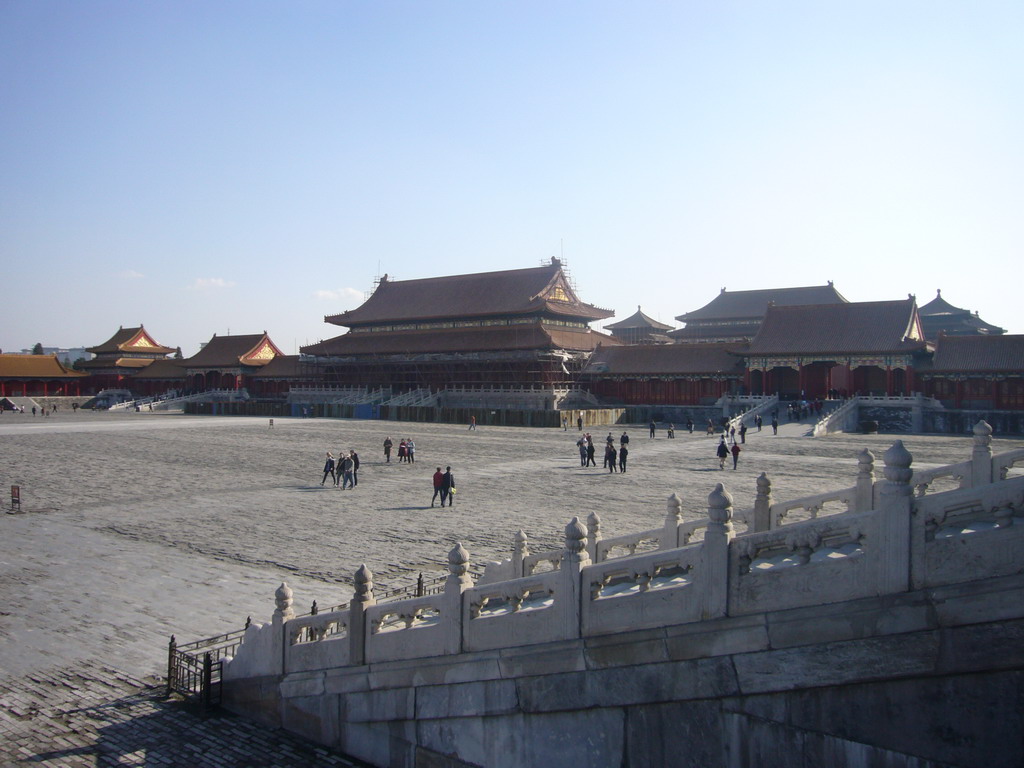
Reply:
x=205, y=167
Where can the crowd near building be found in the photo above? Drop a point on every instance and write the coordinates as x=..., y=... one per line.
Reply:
x=527, y=329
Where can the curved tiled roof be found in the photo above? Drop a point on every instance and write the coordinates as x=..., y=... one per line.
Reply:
x=35, y=367
x=966, y=354
x=861, y=327
x=477, y=339
x=162, y=370
x=130, y=340
x=739, y=304
x=539, y=290
x=229, y=351
x=639, y=320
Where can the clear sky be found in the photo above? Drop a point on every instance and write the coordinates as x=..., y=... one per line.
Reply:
x=206, y=167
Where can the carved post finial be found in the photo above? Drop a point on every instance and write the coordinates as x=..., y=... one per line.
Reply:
x=363, y=583
x=866, y=464
x=458, y=561
x=575, y=536
x=897, y=469
x=593, y=535
x=283, y=601
x=764, y=485
x=720, y=505
x=762, y=505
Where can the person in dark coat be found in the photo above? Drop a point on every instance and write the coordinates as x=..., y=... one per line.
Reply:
x=743, y=433
x=653, y=427
x=387, y=448
x=623, y=454
x=735, y=454
x=723, y=453
x=355, y=466
x=611, y=457
x=590, y=451
x=329, y=469
x=447, y=487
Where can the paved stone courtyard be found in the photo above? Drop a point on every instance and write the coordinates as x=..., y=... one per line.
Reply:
x=135, y=527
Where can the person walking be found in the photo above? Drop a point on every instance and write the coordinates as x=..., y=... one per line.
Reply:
x=743, y=433
x=472, y=423
x=775, y=425
x=689, y=425
x=758, y=421
x=623, y=453
x=590, y=451
x=402, y=455
x=410, y=451
x=624, y=440
x=581, y=444
x=579, y=423
x=609, y=448
x=329, y=469
x=711, y=428
x=671, y=431
x=565, y=423
x=653, y=427
x=732, y=433
x=735, y=454
x=447, y=487
x=387, y=449
x=346, y=472
x=611, y=457
x=355, y=466
x=438, y=478
x=723, y=453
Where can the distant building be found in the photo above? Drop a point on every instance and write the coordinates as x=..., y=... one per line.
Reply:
x=979, y=371
x=664, y=374
x=870, y=347
x=121, y=357
x=640, y=329
x=229, y=362
x=37, y=376
x=939, y=317
x=737, y=315
x=509, y=329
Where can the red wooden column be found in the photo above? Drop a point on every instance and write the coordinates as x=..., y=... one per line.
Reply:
x=888, y=380
x=995, y=395
x=801, y=379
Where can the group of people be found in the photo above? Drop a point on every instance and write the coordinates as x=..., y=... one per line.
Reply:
x=406, y=450
x=613, y=459
x=344, y=472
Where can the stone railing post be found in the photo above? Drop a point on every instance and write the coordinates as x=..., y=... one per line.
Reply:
x=893, y=521
x=673, y=519
x=570, y=591
x=282, y=613
x=520, y=551
x=715, y=555
x=458, y=581
x=864, y=495
x=362, y=598
x=593, y=535
x=981, y=456
x=762, y=505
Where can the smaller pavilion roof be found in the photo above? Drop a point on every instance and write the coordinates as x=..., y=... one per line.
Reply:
x=666, y=359
x=967, y=354
x=254, y=349
x=639, y=320
x=859, y=327
x=162, y=370
x=939, y=316
x=282, y=367
x=35, y=367
x=737, y=304
x=130, y=340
